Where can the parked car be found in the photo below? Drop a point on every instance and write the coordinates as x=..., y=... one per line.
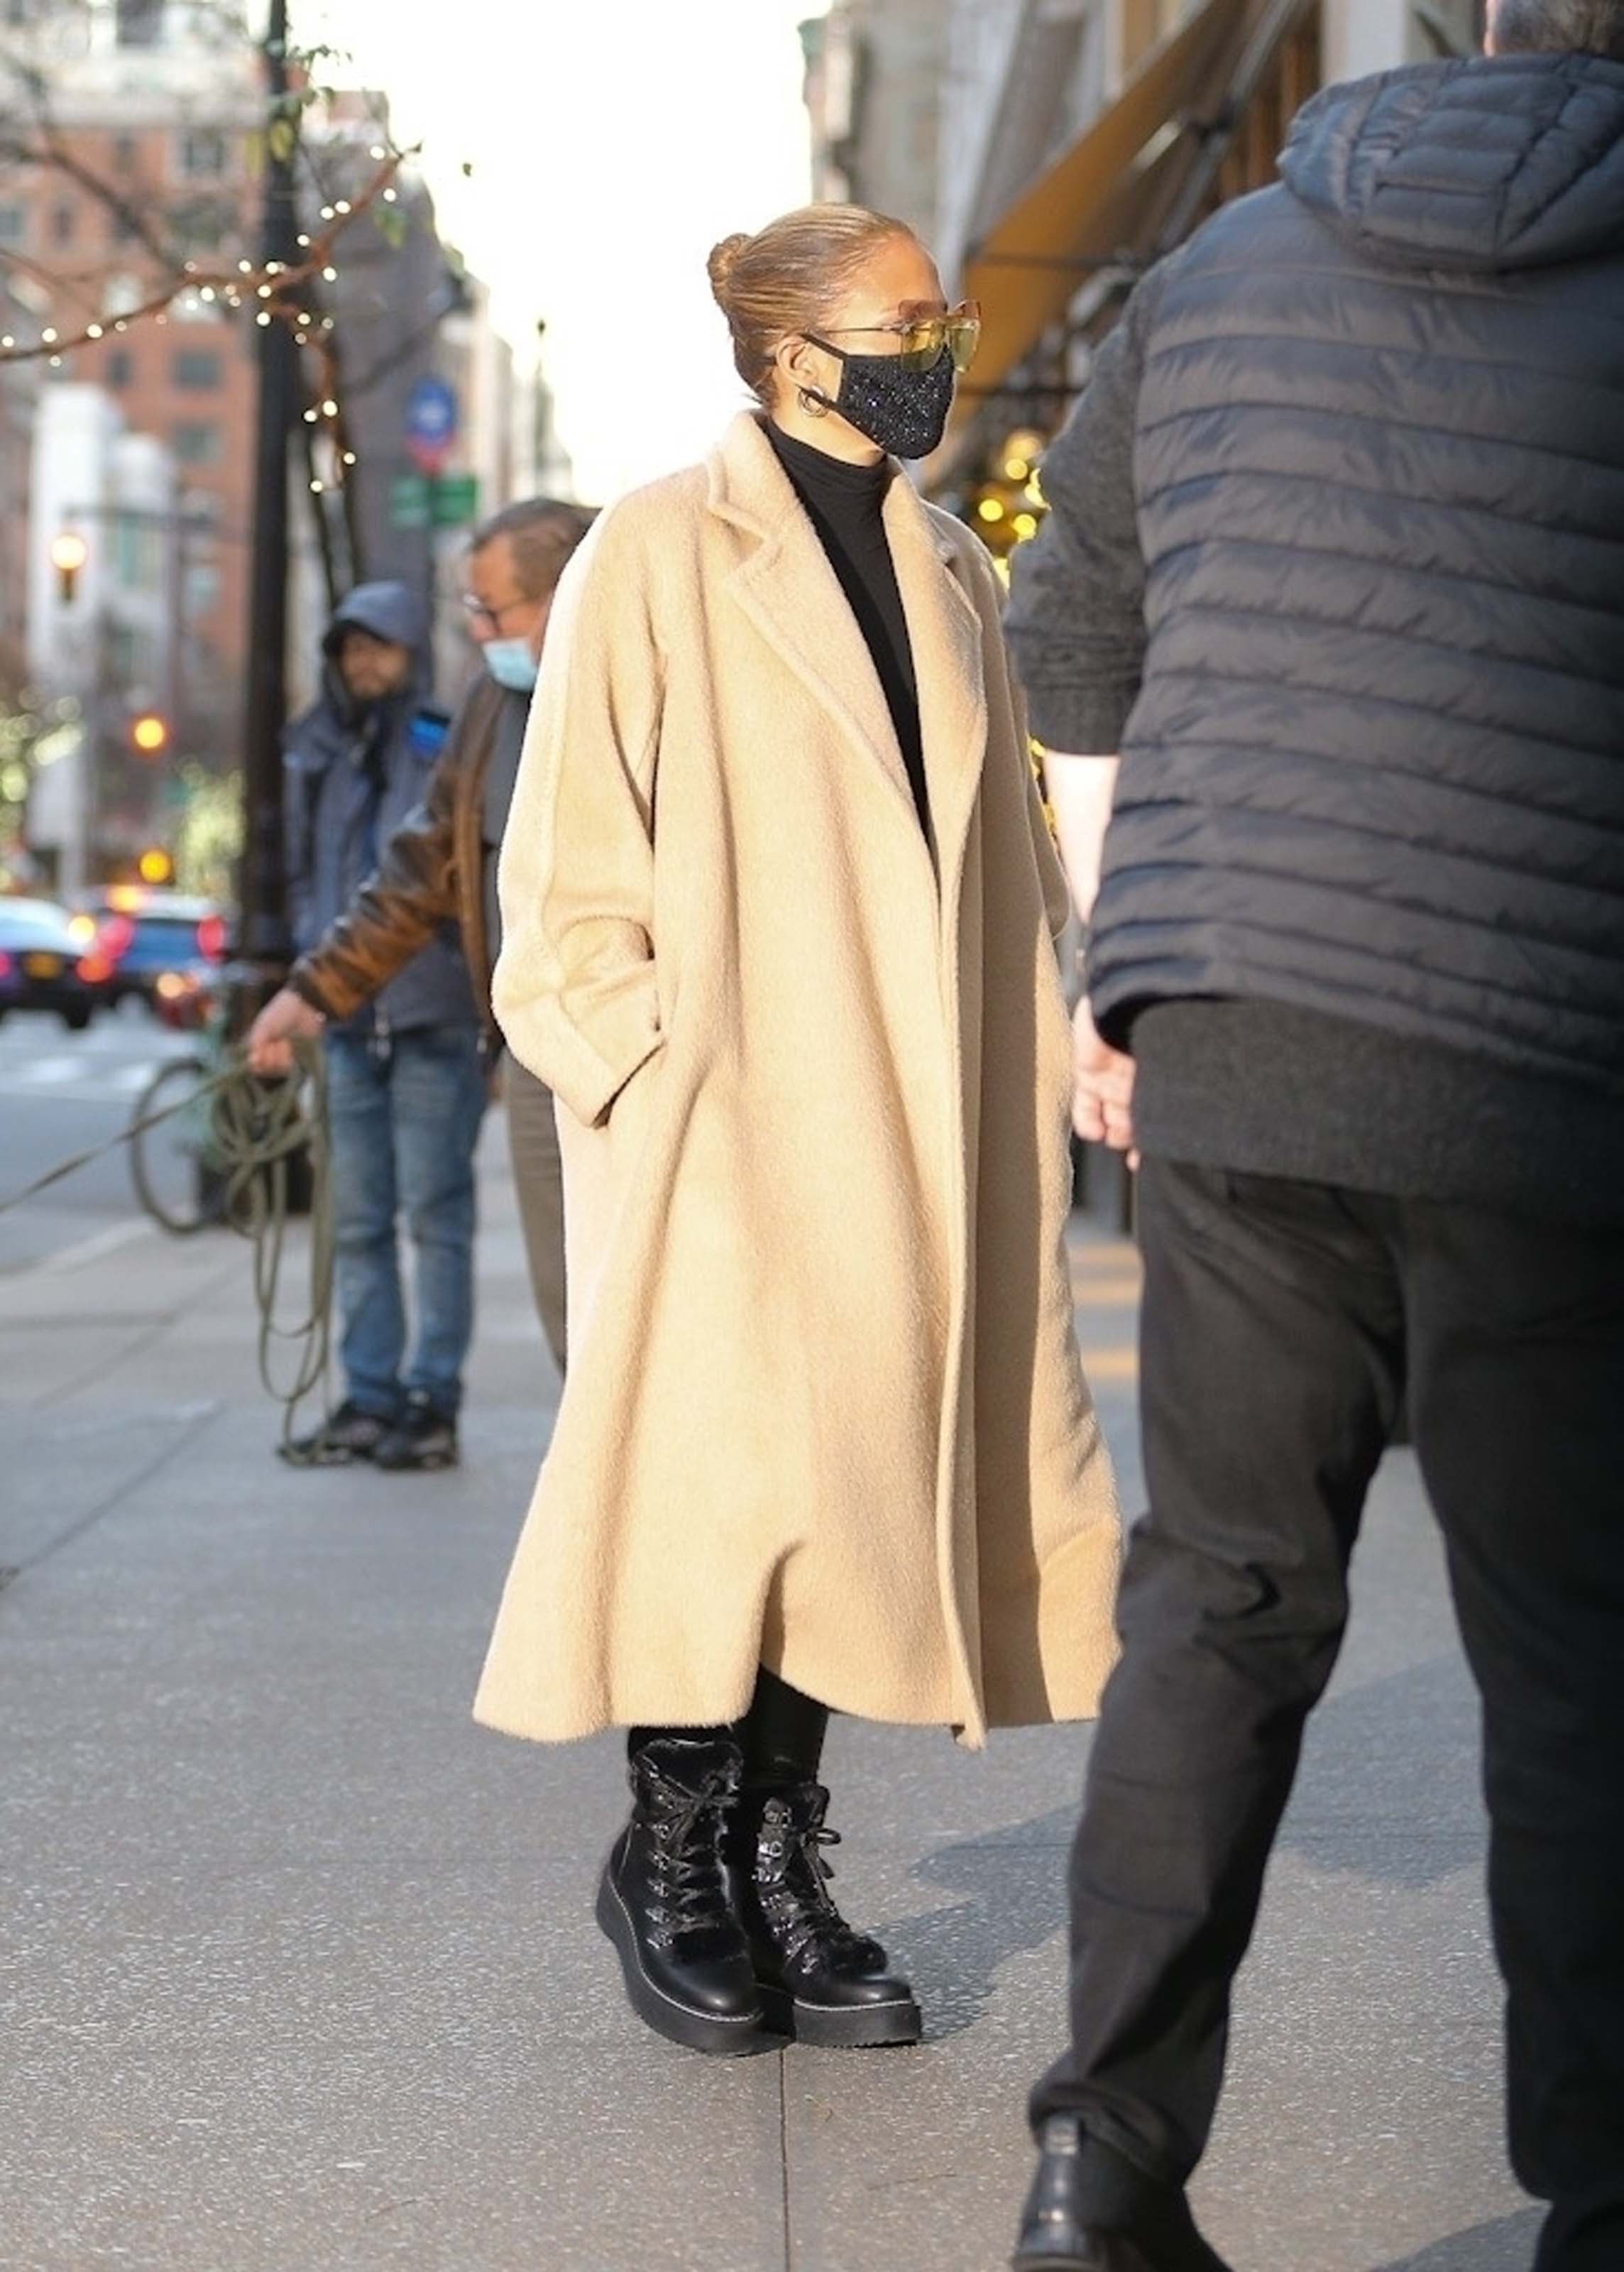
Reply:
x=163, y=947
x=43, y=963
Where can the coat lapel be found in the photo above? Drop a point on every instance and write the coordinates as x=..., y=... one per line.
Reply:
x=945, y=630
x=792, y=594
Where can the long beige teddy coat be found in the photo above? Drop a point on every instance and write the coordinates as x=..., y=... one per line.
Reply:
x=825, y=1409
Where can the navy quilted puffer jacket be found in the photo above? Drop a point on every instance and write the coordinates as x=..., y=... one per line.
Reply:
x=1375, y=764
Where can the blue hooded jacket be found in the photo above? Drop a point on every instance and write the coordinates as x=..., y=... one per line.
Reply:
x=352, y=773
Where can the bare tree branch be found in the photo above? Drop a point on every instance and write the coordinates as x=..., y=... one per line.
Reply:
x=275, y=286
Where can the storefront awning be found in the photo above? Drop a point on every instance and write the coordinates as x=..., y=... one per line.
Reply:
x=1109, y=199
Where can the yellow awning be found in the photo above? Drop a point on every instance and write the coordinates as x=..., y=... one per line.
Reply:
x=1109, y=195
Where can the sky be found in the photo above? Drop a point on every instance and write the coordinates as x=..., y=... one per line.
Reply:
x=611, y=143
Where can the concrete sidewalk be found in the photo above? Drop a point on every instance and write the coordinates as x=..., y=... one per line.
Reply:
x=299, y=1969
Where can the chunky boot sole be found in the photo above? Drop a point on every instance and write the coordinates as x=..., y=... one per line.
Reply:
x=842, y=2027
x=721, y=2036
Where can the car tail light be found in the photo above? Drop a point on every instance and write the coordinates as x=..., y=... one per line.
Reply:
x=95, y=969
x=115, y=939
x=211, y=939
x=6, y=964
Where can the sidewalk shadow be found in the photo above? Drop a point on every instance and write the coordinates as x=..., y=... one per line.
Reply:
x=1372, y=1756
x=1014, y=1883
x=1505, y=2245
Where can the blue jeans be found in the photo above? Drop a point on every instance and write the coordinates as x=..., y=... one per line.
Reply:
x=404, y=1113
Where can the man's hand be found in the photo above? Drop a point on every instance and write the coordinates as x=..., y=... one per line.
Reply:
x=1103, y=1096
x=286, y=1018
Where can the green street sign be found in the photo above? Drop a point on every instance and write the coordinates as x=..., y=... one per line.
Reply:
x=433, y=501
x=456, y=500
x=409, y=504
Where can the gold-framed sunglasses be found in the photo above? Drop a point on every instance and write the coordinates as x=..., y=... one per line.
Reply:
x=923, y=339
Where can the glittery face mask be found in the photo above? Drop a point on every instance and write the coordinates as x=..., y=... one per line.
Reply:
x=902, y=412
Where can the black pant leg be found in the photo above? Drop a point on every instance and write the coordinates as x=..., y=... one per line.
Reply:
x=1517, y=1403
x=1271, y=1352
x=782, y=1734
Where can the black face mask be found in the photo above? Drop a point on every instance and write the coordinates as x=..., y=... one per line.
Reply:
x=902, y=412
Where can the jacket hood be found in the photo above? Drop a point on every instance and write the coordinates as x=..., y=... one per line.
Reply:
x=388, y=610
x=1502, y=162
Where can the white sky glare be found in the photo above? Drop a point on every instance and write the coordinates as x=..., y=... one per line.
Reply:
x=612, y=143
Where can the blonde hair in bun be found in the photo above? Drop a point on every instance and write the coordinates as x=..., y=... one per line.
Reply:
x=787, y=277
x=720, y=267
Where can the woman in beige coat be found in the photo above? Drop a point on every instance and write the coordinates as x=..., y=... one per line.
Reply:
x=779, y=909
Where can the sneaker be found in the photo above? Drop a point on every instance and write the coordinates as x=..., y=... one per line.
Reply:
x=421, y=1440
x=344, y=1436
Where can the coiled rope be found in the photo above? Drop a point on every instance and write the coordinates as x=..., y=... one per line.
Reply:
x=257, y=1134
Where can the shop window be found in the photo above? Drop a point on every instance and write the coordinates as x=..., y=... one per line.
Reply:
x=119, y=369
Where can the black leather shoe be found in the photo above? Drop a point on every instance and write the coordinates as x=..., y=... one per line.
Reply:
x=663, y=1900
x=820, y=1981
x=1056, y=2235
x=344, y=1436
x=421, y=1442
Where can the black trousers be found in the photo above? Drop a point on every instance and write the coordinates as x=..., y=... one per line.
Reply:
x=781, y=1735
x=1282, y=1321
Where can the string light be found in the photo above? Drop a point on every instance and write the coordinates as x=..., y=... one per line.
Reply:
x=230, y=289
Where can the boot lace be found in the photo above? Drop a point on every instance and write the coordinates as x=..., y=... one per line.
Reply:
x=791, y=1880
x=684, y=1826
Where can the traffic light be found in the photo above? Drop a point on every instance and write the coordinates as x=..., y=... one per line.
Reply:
x=156, y=866
x=149, y=733
x=68, y=554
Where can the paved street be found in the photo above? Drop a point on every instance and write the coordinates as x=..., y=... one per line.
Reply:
x=62, y=1093
x=297, y=1970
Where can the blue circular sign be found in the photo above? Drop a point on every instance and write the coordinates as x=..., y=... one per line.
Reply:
x=431, y=411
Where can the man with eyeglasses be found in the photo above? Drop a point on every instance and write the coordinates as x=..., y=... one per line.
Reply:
x=439, y=867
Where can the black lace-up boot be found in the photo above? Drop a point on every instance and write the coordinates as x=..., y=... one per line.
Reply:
x=819, y=1979
x=663, y=1900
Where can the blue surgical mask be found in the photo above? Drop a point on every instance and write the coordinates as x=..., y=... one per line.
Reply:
x=512, y=664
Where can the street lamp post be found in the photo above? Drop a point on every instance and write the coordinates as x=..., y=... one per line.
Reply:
x=261, y=941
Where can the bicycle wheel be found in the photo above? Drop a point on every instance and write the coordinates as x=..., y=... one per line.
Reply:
x=177, y=1178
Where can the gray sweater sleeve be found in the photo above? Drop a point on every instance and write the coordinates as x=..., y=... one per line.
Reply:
x=1075, y=622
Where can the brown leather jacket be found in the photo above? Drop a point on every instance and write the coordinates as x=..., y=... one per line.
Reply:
x=430, y=871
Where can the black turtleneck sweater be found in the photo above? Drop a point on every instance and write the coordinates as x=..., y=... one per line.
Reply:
x=845, y=503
